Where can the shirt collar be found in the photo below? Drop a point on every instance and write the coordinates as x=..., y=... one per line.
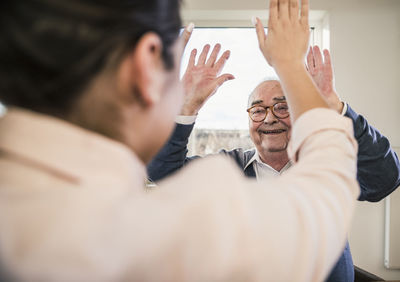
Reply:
x=253, y=158
x=256, y=158
x=64, y=149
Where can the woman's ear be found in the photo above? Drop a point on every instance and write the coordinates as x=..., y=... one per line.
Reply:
x=143, y=72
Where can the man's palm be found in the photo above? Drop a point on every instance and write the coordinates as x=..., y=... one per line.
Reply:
x=321, y=71
x=201, y=80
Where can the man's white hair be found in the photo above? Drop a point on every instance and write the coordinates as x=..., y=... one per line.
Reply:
x=265, y=79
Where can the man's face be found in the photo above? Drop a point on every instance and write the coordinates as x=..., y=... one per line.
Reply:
x=272, y=134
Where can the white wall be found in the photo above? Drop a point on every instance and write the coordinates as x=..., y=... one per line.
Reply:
x=365, y=45
x=365, y=42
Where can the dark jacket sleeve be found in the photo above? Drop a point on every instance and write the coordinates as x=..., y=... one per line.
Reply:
x=378, y=168
x=173, y=155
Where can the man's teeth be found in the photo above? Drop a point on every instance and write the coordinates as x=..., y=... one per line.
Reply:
x=277, y=131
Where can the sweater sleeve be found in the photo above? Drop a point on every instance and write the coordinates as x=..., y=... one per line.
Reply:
x=378, y=168
x=173, y=155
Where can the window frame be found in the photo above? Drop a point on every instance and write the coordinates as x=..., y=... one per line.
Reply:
x=319, y=21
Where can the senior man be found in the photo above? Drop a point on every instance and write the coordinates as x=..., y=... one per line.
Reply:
x=378, y=169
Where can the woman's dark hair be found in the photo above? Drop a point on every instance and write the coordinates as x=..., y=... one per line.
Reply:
x=51, y=49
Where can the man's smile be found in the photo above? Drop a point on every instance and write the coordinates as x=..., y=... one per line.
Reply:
x=272, y=131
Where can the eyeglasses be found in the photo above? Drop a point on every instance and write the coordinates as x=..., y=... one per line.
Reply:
x=258, y=113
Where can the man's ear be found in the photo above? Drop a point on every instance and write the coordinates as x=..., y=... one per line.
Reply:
x=146, y=70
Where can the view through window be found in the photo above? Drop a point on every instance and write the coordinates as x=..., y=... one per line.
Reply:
x=222, y=123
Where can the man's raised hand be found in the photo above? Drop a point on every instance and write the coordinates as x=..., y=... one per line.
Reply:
x=202, y=80
x=321, y=70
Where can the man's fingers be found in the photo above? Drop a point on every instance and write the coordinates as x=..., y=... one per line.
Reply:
x=260, y=32
x=327, y=58
x=304, y=12
x=203, y=55
x=219, y=65
x=317, y=57
x=294, y=10
x=224, y=78
x=192, y=58
x=214, y=55
x=328, y=63
x=310, y=61
x=283, y=9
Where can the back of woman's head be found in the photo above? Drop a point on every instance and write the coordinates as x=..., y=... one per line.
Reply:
x=51, y=49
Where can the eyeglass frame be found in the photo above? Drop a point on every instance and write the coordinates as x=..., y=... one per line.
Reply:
x=270, y=108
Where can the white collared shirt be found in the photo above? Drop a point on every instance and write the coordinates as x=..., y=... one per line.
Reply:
x=263, y=170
